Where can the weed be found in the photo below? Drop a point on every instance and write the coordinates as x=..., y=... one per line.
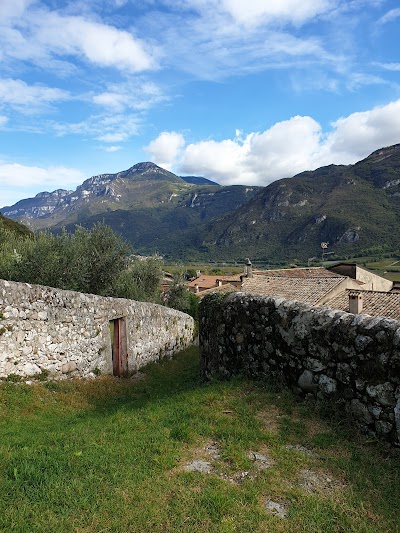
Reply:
x=43, y=376
x=13, y=378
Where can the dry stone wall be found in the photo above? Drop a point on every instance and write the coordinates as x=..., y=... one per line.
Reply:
x=350, y=359
x=68, y=333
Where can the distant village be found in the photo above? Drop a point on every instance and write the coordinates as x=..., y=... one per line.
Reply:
x=344, y=286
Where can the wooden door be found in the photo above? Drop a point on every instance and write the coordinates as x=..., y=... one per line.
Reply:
x=119, y=347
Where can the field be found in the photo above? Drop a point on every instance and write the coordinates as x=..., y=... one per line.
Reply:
x=163, y=452
x=388, y=268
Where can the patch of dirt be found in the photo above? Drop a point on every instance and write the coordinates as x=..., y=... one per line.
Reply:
x=314, y=427
x=205, y=458
x=319, y=482
x=260, y=461
x=301, y=449
x=270, y=418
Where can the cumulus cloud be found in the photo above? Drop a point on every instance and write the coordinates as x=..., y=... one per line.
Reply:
x=27, y=179
x=99, y=43
x=290, y=147
x=359, y=134
x=40, y=35
x=165, y=149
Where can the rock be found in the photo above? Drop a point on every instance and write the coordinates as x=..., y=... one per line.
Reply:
x=361, y=342
x=382, y=427
x=314, y=364
x=383, y=393
x=306, y=382
x=360, y=412
x=68, y=367
x=343, y=373
x=198, y=465
x=397, y=419
x=26, y=350
x=375, y=411
x=261, y=461
x=276, y=508
x=326, y=384
x=30, y=369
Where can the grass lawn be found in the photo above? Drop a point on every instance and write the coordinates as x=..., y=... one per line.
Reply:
x=168, y=453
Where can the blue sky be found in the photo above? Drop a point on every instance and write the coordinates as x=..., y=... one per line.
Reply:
x=240, y=91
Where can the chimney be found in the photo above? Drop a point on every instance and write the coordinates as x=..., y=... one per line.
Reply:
x=219, y=283
x=249, y=268
x=196, y=288
x=355, y=303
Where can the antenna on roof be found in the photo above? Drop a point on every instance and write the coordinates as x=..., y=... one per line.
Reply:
x=324, y=246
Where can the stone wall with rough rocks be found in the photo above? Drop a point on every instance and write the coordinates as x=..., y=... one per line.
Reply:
x=58, y=332
x=350, y=359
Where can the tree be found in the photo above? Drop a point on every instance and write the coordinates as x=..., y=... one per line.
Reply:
x=94, y=261
x=181, y=299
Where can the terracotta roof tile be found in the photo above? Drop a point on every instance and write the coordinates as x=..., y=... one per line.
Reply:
x=204, y=282
x=223, y=288
x=306, y=290
x=375, y=303
x=312, y=272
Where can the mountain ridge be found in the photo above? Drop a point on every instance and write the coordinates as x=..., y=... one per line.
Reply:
x=352, y=207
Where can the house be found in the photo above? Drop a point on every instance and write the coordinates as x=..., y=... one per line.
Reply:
x=205, y=282
x=344, y=286
x=227, y=287
x=311, y=290
x=374, y=303
x=370, y=280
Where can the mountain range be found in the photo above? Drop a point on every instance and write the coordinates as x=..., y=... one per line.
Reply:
x=353, y=208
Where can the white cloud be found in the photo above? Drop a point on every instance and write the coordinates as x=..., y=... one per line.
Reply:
x=356, y=80
x=292, y=146
x=13, y=8
x=3, y=120
x=390, y=66
x=361, y=133
x=389, y=16
x=19, y=175
x=113, y=148
x=256, y=12
x=165, y=148
x=106, y=128
x=213, y=39
x=135, y=94
x=99, y=43
x=28, y=98
x=42, y=36
x=14, y=176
